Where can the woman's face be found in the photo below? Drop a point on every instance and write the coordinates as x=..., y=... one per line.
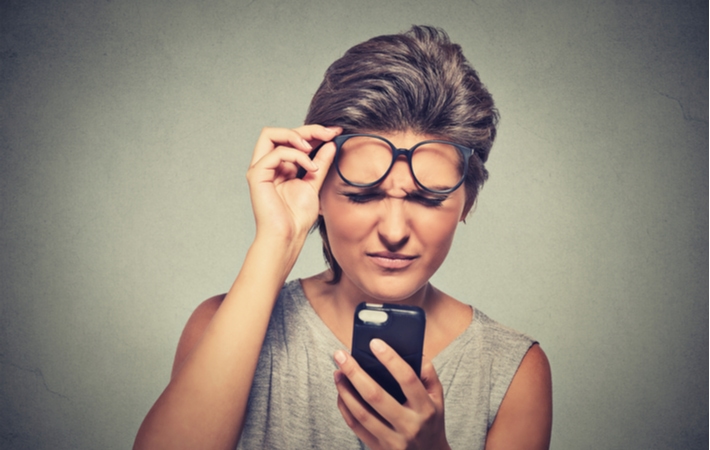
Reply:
x=390, y=239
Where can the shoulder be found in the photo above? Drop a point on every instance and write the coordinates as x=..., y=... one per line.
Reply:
x=495, y=329
x=509, y=357
x=207, y=308
x=195, y=328
x=532, y=379
x=524, y=418
x=499, y=342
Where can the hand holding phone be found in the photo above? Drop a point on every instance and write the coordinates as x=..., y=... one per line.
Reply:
x=401, y=327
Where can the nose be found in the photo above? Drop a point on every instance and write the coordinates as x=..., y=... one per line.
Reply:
x=399, y=178
x=393, y=227
x=394, y=222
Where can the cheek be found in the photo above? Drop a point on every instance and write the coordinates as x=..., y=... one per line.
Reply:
x=438, y=233
x=342, y=226
x=347, y=225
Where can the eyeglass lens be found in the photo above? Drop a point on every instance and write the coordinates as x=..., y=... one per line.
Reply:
x=363, y=160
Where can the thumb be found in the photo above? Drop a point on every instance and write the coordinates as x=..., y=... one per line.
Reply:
x=431, y=382
x=323, y=159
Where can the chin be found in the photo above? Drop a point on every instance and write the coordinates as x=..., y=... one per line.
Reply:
x=391, y=289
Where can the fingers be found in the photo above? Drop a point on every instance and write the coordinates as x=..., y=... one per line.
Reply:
x=321, y=163
x=270, y=138
x=301, y=138
x=431, y=382
x=377, y=418
x=364, y=412
x=316, y=134
x=365, y=400
x=416, y=390
x=411, y=385
x=284, y=159
x=280, y=152
x=370, y=391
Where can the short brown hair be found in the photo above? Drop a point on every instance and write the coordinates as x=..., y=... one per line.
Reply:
x=419, y=81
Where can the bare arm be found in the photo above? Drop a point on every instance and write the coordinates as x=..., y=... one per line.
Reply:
x=204, y=404
x=524, y=419
x=194, y=329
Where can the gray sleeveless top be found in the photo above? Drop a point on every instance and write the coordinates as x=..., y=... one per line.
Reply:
x=292, y=403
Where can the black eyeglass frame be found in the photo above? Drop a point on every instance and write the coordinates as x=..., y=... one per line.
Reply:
x=396, y=152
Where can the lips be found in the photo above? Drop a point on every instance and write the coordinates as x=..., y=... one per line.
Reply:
x=392, y=261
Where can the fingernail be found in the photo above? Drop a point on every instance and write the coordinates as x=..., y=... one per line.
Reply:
x=306, y=144
x=313, y=165
x=340, y=357
x=377, y=346
x=333, y=129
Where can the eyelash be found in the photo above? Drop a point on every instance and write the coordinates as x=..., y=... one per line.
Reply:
x=362, y=198
x=431, y=202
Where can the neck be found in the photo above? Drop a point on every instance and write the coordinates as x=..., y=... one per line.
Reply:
x=335, y=304
x=347, y=295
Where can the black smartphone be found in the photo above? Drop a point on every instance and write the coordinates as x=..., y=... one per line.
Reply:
x=401, y=327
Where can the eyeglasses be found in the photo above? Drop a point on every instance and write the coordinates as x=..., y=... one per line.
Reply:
x=364, y=160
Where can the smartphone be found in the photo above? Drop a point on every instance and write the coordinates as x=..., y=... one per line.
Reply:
x=401, y=327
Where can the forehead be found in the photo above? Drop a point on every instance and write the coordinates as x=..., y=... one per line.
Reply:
x=403, y=139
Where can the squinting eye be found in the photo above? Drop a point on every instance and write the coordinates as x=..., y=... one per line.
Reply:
x=362, y=198
x=427, y=201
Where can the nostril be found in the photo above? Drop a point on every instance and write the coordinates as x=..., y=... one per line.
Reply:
x=393, y=246
x=394, y=234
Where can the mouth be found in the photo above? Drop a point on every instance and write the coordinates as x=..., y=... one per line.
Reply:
x=392, y=261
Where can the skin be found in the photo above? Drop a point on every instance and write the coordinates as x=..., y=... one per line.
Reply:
x=389, y=242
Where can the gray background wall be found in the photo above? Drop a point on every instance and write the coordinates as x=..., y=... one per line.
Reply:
x=126, y=127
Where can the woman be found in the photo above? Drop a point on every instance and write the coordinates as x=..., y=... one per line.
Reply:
x=266, y=365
